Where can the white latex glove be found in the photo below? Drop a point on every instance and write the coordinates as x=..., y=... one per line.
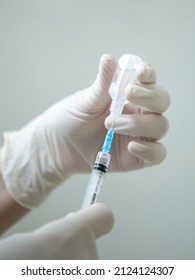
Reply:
x=73, y=237
x=65, y=139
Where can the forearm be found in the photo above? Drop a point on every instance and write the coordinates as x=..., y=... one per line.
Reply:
x=10, y=210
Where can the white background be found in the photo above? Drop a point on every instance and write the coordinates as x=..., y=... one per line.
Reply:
x=49, y=49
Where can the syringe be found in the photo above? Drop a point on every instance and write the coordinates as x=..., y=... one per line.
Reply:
x=99, y=171
x=125, y=74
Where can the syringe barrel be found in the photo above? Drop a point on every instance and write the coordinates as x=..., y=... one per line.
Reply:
x=94, y=188
x=97, y=178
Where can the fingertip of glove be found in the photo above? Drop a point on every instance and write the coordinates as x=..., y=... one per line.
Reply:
x=108, y=61
x=108, y=57
x=99, y=217
x=108, y=122
x=146, y=73
x=103, y=210
x=136, y=147
x=149, y=152
x=107, y=69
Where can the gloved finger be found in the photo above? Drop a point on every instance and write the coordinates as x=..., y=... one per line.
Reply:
x=99, y=90
x=98, y=217
x=151, y=126
x=149, y=97
x=145, y=73
x=107, y=69
x=149, y=153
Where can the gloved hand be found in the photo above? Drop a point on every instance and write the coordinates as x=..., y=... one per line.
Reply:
x=73, y=237
x=65, y=139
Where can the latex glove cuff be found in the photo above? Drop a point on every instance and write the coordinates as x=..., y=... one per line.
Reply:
x=27, y=165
